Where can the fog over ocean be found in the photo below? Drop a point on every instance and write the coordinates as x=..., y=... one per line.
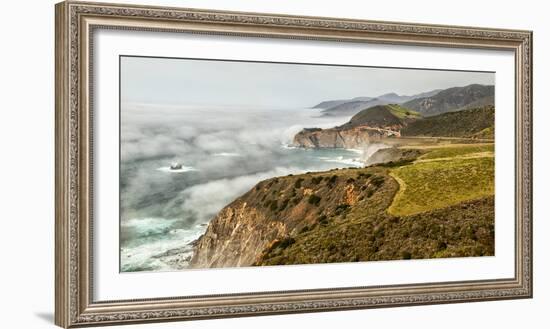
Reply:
x=223, y=152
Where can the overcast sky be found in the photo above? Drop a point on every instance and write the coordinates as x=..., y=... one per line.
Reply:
x=225, y=83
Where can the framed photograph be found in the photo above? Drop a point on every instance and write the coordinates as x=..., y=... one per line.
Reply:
x=218, y=164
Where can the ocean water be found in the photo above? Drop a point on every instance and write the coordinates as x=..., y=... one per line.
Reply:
x=223, y=152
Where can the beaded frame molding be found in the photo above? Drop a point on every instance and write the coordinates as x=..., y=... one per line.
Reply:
x=75, y=24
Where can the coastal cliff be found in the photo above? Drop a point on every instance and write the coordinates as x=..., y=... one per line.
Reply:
x=275, y=211
x=341, y=138
x=369, y=125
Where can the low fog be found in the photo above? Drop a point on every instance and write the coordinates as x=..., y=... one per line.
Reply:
x=227, y=151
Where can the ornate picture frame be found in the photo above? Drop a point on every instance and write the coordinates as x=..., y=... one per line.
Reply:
x=75, y=24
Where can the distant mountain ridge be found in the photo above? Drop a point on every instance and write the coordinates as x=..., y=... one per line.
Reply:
x=350, y=107
x=453, y=99
x=428, y=103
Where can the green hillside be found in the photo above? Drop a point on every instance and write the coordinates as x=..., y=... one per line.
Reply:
x=475, y=123
x=382, y=116
x=402, y=112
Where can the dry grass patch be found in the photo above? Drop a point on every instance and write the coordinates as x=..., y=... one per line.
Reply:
x=438, y=184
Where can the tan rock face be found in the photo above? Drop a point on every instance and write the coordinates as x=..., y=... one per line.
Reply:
x=235, y=237
x=337, y=138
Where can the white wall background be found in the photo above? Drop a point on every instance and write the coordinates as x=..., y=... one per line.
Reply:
x=27, y=162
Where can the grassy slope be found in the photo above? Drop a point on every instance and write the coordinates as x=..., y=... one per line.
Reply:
x=376, y=116
x=402, y=112
x=439, y=183
x=458, y=150
x=466, y=123
x=445, y=210
x=382, y=116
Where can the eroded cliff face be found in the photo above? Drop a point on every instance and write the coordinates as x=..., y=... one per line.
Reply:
x=273, y=212
x=393, y=155
x=235, y=235
x=341, y=138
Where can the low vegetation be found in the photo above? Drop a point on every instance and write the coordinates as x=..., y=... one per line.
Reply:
x=470, y=123
x=440, y=205
x=436, y=184
x=382, y=116
x=403, y=113
x=459, y=150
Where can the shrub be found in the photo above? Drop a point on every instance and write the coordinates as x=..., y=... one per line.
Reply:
x=398, y=163
x=286, y=242
x=377, y=181
x=406, y=255
x=284, y=204
x=364, y=175
x=379, y=232
x=350, y=180
x=316, y=180
x=314, y=199
x=341, y=208
x=298, y=183
x=333, y=179
x=273, y=205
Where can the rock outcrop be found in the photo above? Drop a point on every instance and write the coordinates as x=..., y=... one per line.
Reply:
x=341, y=138
x=369, y=125
x=393, y=155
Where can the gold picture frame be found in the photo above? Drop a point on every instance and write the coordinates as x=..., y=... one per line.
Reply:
x=76, y=22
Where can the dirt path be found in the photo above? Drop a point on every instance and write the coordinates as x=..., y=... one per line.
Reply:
x=400, y=191
x=437, y=146
x=451, y=138
x=487, y=154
